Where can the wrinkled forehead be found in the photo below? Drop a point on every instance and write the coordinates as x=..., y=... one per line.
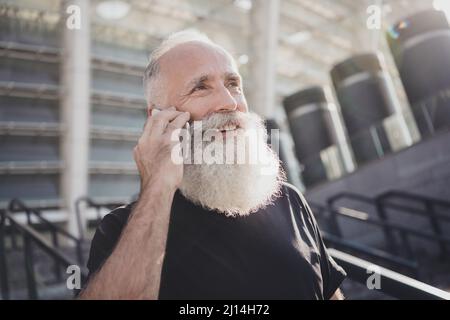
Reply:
x=194, y=58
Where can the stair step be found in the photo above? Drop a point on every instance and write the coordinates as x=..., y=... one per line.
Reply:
x=51, y=292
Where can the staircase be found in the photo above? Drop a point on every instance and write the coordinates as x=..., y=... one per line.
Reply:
x=31, y=256
x=50, y=286
x=409, y=233
x=33, y=263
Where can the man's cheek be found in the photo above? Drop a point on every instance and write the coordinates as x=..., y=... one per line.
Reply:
x=196, y=116
x=200, y=112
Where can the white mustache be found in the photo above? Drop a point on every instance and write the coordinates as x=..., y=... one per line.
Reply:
x=240, y=120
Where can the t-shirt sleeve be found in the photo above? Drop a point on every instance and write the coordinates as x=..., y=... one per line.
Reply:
x=332, y=273
x=106, y=237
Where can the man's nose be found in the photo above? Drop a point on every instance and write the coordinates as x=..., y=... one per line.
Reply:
x=225, y=101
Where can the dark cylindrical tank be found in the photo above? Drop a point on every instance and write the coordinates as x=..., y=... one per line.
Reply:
x=366, y=99
x=420, y=45
x=312, y=131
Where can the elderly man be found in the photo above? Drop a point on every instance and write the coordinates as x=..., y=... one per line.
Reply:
x=207, y=230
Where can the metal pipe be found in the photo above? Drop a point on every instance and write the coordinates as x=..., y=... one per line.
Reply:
x=29, y=268
x=3, y=265
x=392, y=283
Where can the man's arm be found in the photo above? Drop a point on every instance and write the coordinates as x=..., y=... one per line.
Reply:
x=133, y=270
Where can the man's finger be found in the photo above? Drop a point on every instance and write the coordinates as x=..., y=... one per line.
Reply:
x=147, y=125
x=162, y=119
x=178, y=122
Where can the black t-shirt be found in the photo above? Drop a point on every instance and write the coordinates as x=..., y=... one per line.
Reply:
x=275, y=253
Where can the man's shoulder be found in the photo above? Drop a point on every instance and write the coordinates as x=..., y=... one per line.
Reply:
x=115, y=220
x=107, y=235
x=290, y=188
x=298, y=203
x=293, y=194
x=121, y=212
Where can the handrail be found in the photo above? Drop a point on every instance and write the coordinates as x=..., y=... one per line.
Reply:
x=390, y=240
x=392, y=283
x=404, y=231
x=395, y=226
x=31, y=236
x=16, y=205
x=346, y=194
x=380, y=255
x=409, y=195
x=429, y=203
x=3, y=265
x=23, y=207
x=78, y=214
x=384, y=196
x=380, y=206
x=91, y=203
x=410, y=210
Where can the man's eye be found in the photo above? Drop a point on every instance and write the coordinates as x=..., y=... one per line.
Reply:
x=199, y=88
x=234, y=84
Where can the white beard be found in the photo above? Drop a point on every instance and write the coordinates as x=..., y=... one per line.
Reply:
x=234, y=189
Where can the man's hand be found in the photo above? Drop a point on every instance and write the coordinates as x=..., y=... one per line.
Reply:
x=153, y=152
x=133, y=270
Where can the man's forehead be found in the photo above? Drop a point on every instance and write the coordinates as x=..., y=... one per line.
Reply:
x=195, y=59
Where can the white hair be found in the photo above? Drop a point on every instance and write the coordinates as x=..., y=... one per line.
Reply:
x=150, y=80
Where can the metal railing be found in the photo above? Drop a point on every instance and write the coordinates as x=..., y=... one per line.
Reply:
x=17, y=205
x=392, y=283
x=89, y=202
x=380, y=204
x=428, y=203
x=373, y=254
x=31, y=238
x=378, y=256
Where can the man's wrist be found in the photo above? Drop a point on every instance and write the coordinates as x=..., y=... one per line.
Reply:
x=158, y=184
x=159, y=187
x=155, y=194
